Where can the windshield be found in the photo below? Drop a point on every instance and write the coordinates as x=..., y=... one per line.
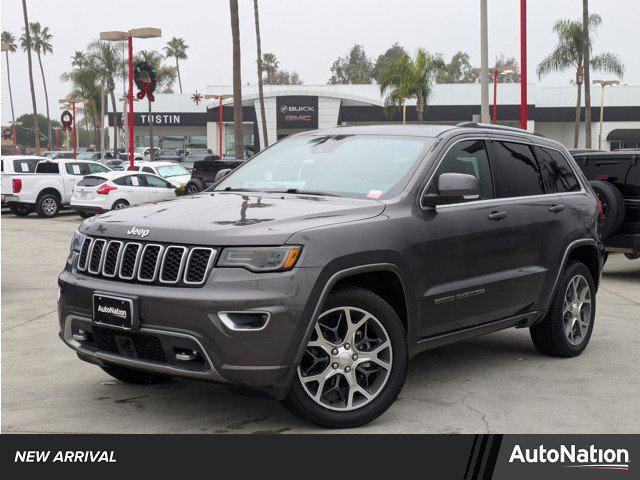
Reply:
x=172, y=171
x=359, y=166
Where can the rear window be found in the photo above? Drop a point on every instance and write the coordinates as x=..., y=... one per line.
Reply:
x=47, y=167
x=91, y=181
x=25, y=165
x=557, y=172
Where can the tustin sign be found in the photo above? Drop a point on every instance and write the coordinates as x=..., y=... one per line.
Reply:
x=167, y=119
x=297, y=112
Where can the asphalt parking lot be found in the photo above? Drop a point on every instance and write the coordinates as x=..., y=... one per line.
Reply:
x=497, y=383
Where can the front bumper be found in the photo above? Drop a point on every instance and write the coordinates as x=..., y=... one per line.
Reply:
x=262, y=358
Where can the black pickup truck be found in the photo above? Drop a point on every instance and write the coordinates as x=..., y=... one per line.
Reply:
x=204, y=172
x=615, y=177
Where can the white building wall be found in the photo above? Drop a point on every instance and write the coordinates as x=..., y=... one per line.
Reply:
x=328, y=112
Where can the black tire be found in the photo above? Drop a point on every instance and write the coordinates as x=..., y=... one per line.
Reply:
x=301, y=404
x=20, y=209
x=118, y=204
x=85, y=214
x=194, y=186
x=549, y=334
x=135, y=377
x=612, y=205
x=632, y=256
x=48, y=205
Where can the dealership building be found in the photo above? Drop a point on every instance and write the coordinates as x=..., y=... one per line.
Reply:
x=180, y=120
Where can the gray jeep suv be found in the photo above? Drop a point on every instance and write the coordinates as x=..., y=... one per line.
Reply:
x=315, y=270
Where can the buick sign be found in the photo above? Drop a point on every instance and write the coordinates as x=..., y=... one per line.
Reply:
x=297, y=112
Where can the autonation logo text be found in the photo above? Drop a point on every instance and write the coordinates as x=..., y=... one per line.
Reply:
x=590, y=458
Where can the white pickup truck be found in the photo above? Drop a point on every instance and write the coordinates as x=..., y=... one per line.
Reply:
x=49, y=188
x=13, y=165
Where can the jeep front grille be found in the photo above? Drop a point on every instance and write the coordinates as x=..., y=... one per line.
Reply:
x=173, y=265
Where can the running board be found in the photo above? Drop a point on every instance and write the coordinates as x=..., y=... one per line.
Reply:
x=458, y=335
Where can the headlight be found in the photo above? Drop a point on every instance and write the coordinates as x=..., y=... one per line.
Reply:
x=76, y=243
x=261, y=259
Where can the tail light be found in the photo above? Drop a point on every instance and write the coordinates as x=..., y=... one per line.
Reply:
x=105, y=189
x=17, y=185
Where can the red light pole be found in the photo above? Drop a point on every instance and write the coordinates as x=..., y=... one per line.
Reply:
x=220, y=98
x=146, y=32
x=523, y=64
x=71, y=102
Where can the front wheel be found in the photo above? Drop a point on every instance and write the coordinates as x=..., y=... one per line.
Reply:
x=354, y=364
x=118, y=204
x=567, y=327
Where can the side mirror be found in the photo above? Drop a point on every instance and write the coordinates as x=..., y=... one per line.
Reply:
x=221, y=175
x=452, y=186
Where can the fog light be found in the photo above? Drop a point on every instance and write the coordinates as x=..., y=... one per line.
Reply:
x=244, y=321
x=80, y=336
x=186, y=355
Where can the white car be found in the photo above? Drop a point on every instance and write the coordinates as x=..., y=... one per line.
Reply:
x=48, y=188
x=170, y=171
x=112, y=190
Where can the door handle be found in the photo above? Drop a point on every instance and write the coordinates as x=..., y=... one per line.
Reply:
x=558, y=207
x=498, y=215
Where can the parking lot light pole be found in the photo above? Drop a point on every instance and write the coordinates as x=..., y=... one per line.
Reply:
x=71, y=102
x=523, y=64
x=220, y=98
x=118, y=36
x=603, y=84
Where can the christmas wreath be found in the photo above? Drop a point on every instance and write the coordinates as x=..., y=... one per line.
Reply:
x=66, y=119
x=7, y=133
x=146, y=80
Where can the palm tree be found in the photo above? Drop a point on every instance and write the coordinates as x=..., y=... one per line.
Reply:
x=177, y=48
x=587, y=74
x=265, y=140
x=36, y=129
x=107, y=61
x=39, y=41
x=237, y=81
x=410, y=78
x=9, y=42
x=569, y=53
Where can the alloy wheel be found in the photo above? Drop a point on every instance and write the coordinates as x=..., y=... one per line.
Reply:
x=49, y=206
x=348, y=360
x=576, y=310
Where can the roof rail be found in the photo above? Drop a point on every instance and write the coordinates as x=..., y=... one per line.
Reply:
x=496, y=127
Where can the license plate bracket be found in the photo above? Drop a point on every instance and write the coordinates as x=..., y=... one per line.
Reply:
x=116, y=310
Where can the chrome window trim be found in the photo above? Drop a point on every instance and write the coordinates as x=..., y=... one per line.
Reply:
x=86, y=260
x=115, y=270
x=489, y=200
x=135, y=263
x=157, y=265
x=213, y=251
x=102, y=253
x=180, y=269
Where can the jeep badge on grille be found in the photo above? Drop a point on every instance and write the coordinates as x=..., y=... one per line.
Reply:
x=138, y=232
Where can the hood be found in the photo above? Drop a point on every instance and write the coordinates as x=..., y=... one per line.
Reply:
x=229, y=218
x=178, y=180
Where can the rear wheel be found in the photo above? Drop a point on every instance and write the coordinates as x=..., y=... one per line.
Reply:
x=566, y=330
x=193, y=187
x=48, y=205
x=136, y=377
x=355, y=363
x=118, y=204
x=612, y=207
x=20, y=209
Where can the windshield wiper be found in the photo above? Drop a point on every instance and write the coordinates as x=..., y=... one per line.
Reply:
x=230, y=189
x=306, y=192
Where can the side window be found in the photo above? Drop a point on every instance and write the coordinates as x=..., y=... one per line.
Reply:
x=47, y=167
x=75, y=168
x=557, y=172
x=470, y=157
x=124, y=181
x=155, y=182
x=147, y=169
x=96, y=168
x=516, y=170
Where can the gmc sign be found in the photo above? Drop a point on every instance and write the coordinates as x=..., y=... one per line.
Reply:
x=297, y=112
